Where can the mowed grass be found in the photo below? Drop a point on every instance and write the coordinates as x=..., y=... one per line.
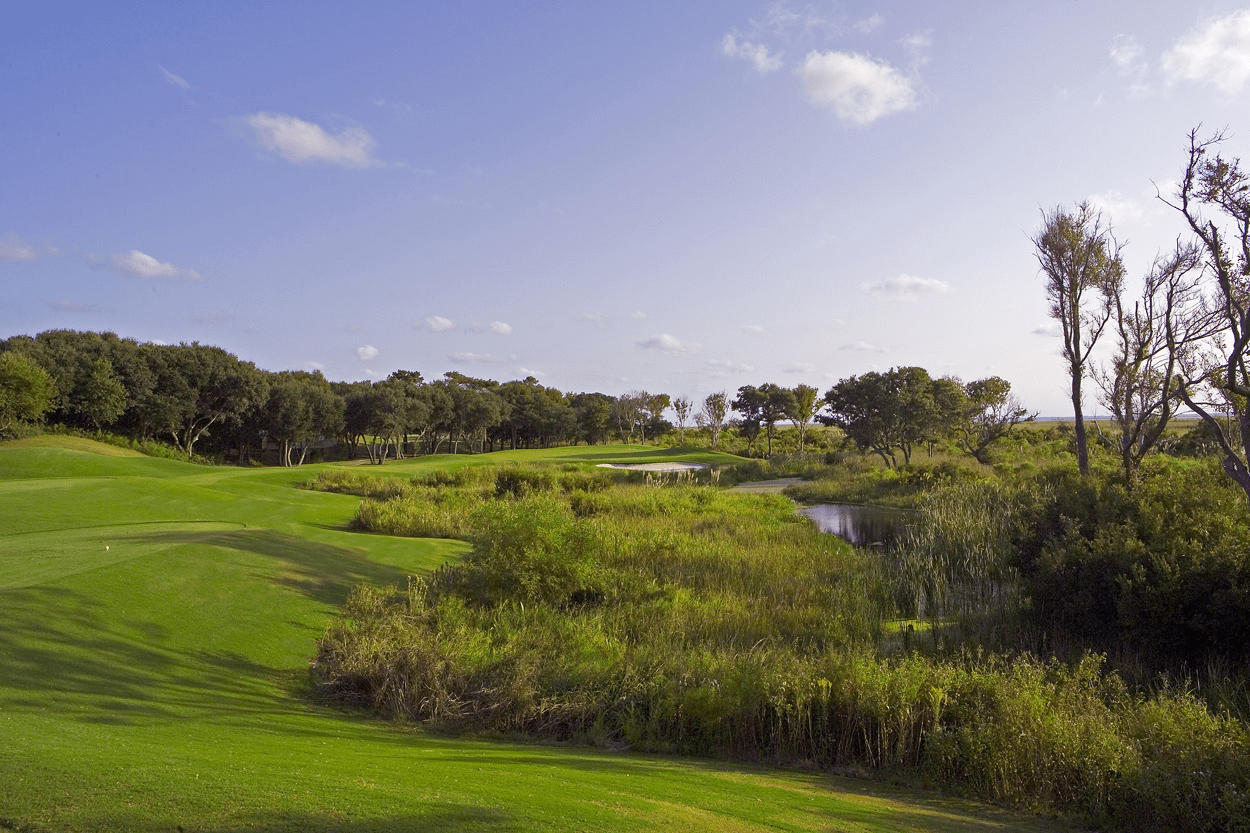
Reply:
x=160, y=684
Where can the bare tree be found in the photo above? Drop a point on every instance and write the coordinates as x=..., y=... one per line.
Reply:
x=681, y=407
x=1218, y=380
x=1161, y=332
x=712, y=416
x=1081, y=260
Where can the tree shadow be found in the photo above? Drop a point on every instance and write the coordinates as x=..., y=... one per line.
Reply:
x=322, y=572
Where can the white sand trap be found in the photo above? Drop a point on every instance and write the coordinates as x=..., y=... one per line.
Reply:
x=654, y=466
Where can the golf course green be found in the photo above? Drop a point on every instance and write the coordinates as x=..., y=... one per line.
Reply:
x=156, y=623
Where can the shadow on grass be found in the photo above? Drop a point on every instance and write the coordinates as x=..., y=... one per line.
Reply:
x=434, y=816
x=59, y=644
x=322, y=572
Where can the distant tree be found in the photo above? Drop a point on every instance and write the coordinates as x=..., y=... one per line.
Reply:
x=992, y=413
x=215, y=388
x=712, y=415
x=804, y=402
x=301, y=408
x=681, y=407
x=891, y=412
x=653, y=406
x=593, y=412
x=750, y=404
x=26, y=391
x=776, y=403
x=1084, y=273
x=102, y=397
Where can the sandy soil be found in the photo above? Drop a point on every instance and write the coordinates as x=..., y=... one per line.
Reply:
x=654, y=466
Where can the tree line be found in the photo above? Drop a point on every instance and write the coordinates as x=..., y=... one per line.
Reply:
x=203, y=398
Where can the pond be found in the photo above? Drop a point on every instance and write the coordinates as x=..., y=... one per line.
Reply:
x=863, y=526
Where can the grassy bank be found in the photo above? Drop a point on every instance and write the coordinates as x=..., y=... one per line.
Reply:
x=162, y=682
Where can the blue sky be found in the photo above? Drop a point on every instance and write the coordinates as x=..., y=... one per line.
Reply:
x=672, y=197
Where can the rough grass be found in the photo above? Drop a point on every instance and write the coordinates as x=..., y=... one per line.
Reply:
x=162, y=683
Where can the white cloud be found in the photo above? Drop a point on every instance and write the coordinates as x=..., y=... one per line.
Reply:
x=859, y=89
x=758, y=54
x=666, y=343
x=1126, y=53
x=1116, y=207
x=863, y=347
x=801, y=367
x=722, y=367
x=500, y=328
x=529, y=371
x=868, y=24
x=480, y=358
x=599, y=319
x=752, y=328
x=303, y=142
x=136, y=264
x=637, y=315
x=1216, y=52
x=180, y=83
x=918, y=44
x=905, y=288
x=439, y=324
x=315, y=366
x=366, y=352
x=13, y=249
x=1050, y=329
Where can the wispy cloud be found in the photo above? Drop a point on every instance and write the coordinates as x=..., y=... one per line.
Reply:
x=1049, y=329
x=1126, y=54
x=723, y=367
x=862, y=347
x=599, y=319
x=311, y=366
x=858, y=88
x=800, y=367
x=905, y=288
x=499, y=328
x=439, y=324
x=758, y=54
x=1215, y=52
x=868, y=25
x=480, y=358
x=177, y=81
x=14, y=248
x=752, y=328
x=137, y=264
x=73, y=306
x=666, y=343
x=302, y=143
x=638, y=315
x=365, y=352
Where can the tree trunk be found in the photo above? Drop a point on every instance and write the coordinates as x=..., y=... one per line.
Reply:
x=1082, y=444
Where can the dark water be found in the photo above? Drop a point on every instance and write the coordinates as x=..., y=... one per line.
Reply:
x=863, y=526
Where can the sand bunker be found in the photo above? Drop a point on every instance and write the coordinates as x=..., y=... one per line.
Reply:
x=654, y=466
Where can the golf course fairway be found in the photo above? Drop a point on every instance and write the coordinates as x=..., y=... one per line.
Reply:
x=156, y=623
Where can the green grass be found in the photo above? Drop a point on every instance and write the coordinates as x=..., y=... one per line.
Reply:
x=161, y=684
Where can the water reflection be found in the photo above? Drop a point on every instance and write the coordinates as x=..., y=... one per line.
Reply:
x=863, y=526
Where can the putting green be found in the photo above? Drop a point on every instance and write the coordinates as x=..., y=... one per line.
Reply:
x=160, y=684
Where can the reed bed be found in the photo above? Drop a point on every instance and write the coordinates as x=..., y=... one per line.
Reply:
x=688, y=619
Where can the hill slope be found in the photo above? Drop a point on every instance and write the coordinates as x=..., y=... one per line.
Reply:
x=159, y=683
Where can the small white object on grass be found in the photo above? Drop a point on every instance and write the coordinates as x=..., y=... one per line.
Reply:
x=106, y=546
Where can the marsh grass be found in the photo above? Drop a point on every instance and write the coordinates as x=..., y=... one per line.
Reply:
x=693, y=620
